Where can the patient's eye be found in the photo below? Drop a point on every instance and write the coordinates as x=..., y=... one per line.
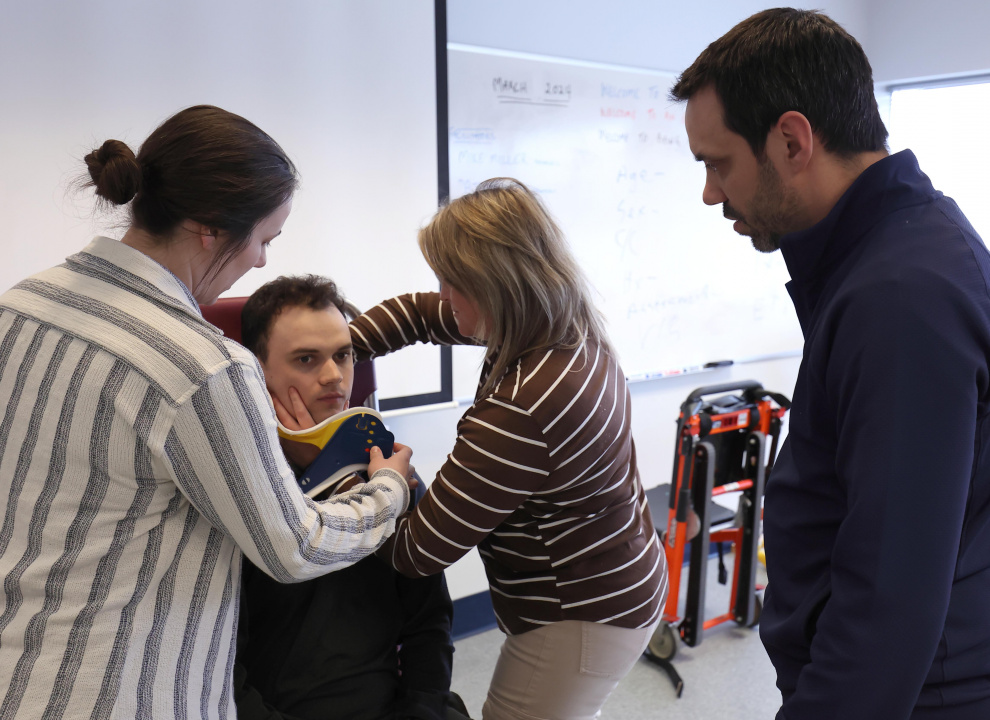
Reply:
x=345, y=356
x=304, y=359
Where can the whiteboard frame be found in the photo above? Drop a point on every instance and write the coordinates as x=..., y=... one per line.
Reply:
x=446, y=393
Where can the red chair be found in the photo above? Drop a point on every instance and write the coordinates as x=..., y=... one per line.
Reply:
x=225, y=313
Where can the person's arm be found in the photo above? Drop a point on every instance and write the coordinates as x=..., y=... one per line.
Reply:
x=905, y=377
x=426, y=651
x=223, y=453
x=405, y=320
x=499, y=460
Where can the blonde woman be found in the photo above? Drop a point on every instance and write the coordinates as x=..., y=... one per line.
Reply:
x=542, y=477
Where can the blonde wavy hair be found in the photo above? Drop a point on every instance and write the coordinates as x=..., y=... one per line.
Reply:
x=499, y=247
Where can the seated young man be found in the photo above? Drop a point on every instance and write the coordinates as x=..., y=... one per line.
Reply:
x=363, y=643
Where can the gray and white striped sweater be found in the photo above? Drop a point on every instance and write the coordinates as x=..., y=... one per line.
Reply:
x=138, y=459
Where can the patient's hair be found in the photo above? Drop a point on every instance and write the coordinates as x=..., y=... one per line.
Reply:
x=285, y=291
x=499, y=247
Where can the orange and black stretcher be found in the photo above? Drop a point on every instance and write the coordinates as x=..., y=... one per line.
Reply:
x=724, y=444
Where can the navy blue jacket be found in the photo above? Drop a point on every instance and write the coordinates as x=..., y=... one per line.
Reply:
x=877, y=515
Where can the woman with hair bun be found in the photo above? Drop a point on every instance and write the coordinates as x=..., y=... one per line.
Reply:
x=138, y=448
x=542, y=477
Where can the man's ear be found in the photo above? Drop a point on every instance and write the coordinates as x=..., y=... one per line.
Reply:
x=791, y=142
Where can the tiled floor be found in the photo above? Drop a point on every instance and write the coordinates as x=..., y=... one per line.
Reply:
x=727, y=676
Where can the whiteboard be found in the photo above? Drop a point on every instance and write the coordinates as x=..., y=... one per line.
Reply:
x=347, y=88
x=609, y=156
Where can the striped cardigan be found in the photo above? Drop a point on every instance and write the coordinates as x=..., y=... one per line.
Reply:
x=542, y=478
x=138, y=459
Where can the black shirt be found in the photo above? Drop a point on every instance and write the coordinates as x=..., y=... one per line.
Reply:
x=328, y=648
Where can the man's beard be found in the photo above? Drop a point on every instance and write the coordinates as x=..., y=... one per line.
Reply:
x=771, y=210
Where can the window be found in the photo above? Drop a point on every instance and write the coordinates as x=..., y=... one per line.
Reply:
x=948, y=128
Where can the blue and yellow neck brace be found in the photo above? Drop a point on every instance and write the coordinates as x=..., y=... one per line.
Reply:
x=345, y=440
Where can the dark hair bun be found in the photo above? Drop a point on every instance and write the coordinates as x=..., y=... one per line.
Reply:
x=115, y=172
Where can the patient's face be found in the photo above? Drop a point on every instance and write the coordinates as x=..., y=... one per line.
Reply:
x=311, y=351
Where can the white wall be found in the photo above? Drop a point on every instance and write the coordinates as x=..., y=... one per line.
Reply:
x=914, y=39
x=658, y=34
x=348, y=89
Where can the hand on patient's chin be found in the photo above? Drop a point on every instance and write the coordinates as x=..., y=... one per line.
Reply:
x=296, y=418
x=300, y=454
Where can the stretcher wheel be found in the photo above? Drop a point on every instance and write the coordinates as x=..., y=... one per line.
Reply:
x=757, y=611
x=663, y=644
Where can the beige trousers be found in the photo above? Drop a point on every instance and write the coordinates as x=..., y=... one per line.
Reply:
x=563, y=671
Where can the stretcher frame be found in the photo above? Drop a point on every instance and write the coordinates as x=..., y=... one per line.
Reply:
x=723, y=445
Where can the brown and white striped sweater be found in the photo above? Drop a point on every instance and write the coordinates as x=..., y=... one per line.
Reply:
x=542, y=478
